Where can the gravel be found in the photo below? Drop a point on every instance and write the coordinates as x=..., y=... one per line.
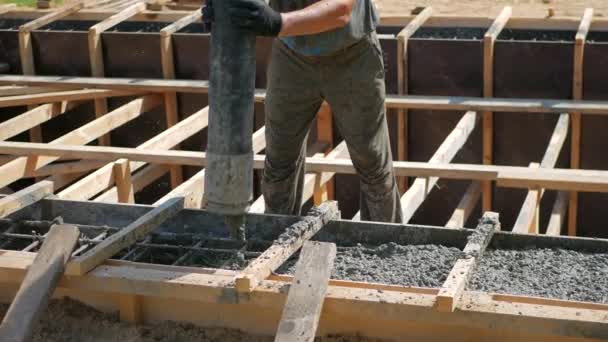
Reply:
x=405, y=265
x=546, y=272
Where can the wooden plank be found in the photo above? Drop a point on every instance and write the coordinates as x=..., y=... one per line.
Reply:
x=30, y=119
x=66, y=168
x=25, y=197
x=488, y=91
x=454, y=285
x=39, y=284
x=130, y=309
x=549, y=302
x=417, y=193
x=70, y=95
x=124, y=185
x=506, y=176
x=402, y=85
x=117, y=18
x=558, y=214
x=24, y=90
x=302, y=310
x=451, y=103
x=168, y=67
x=125, y=237
x=23, y=166
x=101, y=179
x=285, y=246
x=528, y=219
x=54, y=15
x=577, y=94
x=465, y=206
x=181, y=23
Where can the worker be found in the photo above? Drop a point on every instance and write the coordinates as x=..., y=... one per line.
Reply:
x=326, y=50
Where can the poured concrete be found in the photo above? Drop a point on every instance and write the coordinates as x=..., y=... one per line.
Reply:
x=544, y=272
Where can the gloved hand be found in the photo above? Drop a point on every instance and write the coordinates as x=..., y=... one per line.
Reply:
x=256, y=16
x=207, y=12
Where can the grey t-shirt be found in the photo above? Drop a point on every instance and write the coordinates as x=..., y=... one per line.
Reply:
x=363, y=20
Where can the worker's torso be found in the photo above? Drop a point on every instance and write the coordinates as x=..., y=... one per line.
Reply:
x=363, y=20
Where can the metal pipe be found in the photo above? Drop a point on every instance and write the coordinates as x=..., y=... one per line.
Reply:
x=229, y=176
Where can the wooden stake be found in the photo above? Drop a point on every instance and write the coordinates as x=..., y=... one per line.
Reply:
x=577, y=94
x=465, y=207
x=302, y=310
x=488, y=91
x=122, y=177
x=39, y=284
x=325, y=133
x=402, y=85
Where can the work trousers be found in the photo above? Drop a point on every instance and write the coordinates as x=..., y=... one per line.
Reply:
x=352, y=82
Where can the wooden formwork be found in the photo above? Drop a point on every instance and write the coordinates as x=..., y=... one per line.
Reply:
x=74, y=170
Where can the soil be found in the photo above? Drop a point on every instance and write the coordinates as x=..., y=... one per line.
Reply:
x=409, y=265
x=553, y=273
x=67, y=320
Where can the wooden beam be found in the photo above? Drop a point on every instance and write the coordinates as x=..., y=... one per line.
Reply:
x=115, y=83
x=70, y=95
x=30, y=119
x=96, y=54
x=488, y=91
x=325, y=132
x=416, y=194
x=527, y=220
x=285, y=246
x=101, y=179
x=130, y=309
x=452, y=289
x=168, y=66
x=23, y=166
x=122, y=178
x=7, y=8
x=26, y=52
x=466, y=206
x=125, y=237
x=402, y=85
x=302, y=310
x=558, y=214
x=39, y=284
x=450, y=103
x=24, y=90
x=25, y=197
x=577, y=94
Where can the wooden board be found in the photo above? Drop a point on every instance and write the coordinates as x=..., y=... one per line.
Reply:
x=306, y=295
x=125, y=237
x=25, y=197
x=39, y=284
x=282, y=249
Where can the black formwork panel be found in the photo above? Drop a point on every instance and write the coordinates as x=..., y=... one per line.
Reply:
x=347, y=186
x=49, y=46
x=443, y=62
x=592, y=211
x=9, y=43
x=529, y=64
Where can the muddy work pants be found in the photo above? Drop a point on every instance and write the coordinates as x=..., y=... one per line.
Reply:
x=352, y=82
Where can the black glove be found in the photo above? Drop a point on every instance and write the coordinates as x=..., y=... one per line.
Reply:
x=255, y=16
x=207, y=11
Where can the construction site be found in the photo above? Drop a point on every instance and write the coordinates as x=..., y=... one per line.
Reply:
x=497, y=130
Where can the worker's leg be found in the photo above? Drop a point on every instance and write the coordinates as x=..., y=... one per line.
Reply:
x=292, y=100
x=355, y=91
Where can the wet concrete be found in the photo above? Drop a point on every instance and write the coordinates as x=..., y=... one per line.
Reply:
x=544, y=272
x=425, y=265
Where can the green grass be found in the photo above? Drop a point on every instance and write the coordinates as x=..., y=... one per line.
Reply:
x=28, y=3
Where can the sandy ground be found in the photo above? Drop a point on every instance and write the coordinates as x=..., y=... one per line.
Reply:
x=67, y=320
x=521, y=8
